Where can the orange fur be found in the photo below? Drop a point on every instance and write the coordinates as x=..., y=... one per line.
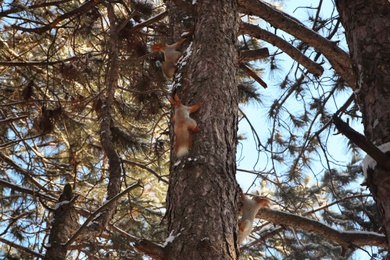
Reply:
x=249, y=211
x=171, y=56
x=184, y=126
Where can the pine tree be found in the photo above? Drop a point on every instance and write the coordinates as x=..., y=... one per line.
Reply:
x=87, y=133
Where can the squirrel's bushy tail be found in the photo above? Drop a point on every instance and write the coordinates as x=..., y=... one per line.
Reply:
x=182, y=142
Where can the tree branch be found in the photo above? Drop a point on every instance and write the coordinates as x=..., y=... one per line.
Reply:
x=19, y=7
x=22, y=171
x=252, y=74
x=153, y=250
x=99, y=210
x=336, y=56
x=26, y=190
x=150, y=21
x=362, y=142
x=114, y=161
x=82, y=9
x=17, y=246
x=344, y=238
x=250, y=55
x=293, y=52
x=146, y=168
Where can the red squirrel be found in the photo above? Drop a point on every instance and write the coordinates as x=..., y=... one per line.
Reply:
x=184, y=126
x=171, y=56
x=249, y=211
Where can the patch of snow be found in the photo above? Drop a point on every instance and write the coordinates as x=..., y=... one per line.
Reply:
x=170, y=238
x=376, y=122
x=184, y=34
x=187, y=52
x=59, y=204
x=369, y=162
x=176, y=164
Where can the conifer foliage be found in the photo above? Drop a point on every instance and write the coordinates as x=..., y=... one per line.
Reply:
x=86, y=133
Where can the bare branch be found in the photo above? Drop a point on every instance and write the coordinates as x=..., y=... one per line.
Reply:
x=9, y=120
x=361, y=141
x=22, y=171
x=153, y=250
x=146, y=168
x=252, y=74
x=250, y=55
x=336, y=56
x=293, y=52
x=128, y=236
x=26, y=190
x=345, y=238
x=17, y=246
x=150, y=21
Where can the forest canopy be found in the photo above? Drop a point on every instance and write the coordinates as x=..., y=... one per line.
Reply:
x=86, y=131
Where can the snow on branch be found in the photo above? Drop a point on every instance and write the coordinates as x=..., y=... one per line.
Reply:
x=345, y=239
x=369, y=162
x=374, y=153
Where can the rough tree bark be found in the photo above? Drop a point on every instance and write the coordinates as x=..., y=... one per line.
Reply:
x=203, y=197
x=367, y=27
x=64, y=224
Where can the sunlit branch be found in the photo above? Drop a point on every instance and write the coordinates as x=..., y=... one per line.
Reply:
x=80, y=10
x=124, y=233
x=146, y=168
x=336, y=56
x=9, y=120
x=345, y=238
x=26, y=190
x=43, y=62
x=99, y=210
x=252, y=74
x=260, y=175
x=260, y=33
x=20, y=7
x=22, y=171
x=17, y=246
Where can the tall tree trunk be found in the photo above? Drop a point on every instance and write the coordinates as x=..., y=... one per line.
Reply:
x=202, y=197
x=367, y=26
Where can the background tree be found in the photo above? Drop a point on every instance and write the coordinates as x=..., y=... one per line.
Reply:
x=85, y=129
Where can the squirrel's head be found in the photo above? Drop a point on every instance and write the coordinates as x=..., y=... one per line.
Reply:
x=157, y=47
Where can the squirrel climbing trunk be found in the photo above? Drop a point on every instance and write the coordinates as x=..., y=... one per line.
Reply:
x=171, y=56
x=184, y=126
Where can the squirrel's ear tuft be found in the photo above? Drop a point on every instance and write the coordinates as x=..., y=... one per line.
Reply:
x=177, y=99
